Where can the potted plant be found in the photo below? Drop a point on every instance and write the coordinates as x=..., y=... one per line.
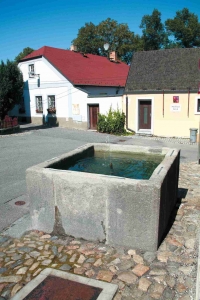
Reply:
x=51, y=110
x=39, y=111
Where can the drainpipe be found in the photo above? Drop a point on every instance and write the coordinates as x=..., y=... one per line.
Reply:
x=188, y=102
x=163, y=104
x=127, y=115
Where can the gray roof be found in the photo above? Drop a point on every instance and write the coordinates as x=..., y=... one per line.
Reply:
x=170, y=69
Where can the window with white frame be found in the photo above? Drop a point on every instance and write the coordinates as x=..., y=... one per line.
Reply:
x=51, y=104
x=39, y=105
x=197, y=106
x=31, y=70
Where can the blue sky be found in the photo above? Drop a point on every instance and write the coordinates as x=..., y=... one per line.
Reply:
x=34, y=23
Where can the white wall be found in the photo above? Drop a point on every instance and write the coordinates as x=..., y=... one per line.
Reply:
x=83, y=101
x=51, y=83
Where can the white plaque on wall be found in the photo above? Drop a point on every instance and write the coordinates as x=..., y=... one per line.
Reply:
x=175, y=107
x=75, y=109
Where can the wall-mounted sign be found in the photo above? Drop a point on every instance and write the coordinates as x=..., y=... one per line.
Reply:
x=75, y=109
x=175, y=107
x=175, y=99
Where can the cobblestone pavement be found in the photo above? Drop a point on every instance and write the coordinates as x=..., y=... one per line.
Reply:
x=170, y=273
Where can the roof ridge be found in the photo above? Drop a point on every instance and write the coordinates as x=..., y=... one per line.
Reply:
x=170, y=49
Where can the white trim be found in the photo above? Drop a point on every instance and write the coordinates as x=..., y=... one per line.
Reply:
x=147, y=131
x=195, y=107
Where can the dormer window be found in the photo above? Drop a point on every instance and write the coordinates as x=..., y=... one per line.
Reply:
x=31, y=71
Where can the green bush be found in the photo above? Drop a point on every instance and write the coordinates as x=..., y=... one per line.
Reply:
x=113, y=122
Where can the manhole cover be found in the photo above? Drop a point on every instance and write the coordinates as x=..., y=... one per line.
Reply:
x=20, y=202
x=55, y=288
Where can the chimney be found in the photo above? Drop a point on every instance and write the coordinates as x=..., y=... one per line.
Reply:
x=73, y=48
x=113, y=56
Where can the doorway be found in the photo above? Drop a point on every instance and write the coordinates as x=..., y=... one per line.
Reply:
x=93, y=116
x=145, y=114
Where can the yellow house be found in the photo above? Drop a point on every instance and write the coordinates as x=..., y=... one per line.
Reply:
x=161, y=94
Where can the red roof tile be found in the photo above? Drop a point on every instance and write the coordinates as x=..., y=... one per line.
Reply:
x=84, y=70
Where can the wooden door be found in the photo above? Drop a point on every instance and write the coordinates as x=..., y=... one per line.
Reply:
x=145, y=114
x=93, y=115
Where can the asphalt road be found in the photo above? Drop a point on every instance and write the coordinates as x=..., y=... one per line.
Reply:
x=35, y=145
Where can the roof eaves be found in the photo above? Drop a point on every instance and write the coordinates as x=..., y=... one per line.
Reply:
x=101, y=84
x=31, y=58
x=166, y=91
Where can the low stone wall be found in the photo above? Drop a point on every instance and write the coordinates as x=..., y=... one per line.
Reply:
x=62, y=122
x=121, y=211
x=9, y=130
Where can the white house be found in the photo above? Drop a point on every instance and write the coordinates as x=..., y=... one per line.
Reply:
x=69, y=88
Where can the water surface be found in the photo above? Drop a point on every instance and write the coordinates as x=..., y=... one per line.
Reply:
x=128, y=165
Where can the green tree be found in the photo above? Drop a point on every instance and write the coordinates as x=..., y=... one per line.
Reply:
x=91, y=39
x=185, y=27
x=11, y=87
x=87, y=40
x=154, y=35
x=26, y=51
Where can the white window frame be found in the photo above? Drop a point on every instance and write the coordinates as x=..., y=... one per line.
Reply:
x=54, y=100
x=39, y=107
x=31, y=70
x=196, y=103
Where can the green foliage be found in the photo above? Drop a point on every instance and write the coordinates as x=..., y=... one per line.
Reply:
x=113, y=122
x=87, y=40
x=91, y=39
x=185, y=27
x=183, y=30
x=154, y=35
x=11, y=87
x=26, y=51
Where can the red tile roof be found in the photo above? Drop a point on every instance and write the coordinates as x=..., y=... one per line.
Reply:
x=84, y=70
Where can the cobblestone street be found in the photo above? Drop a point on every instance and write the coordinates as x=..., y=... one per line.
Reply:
x=170, y=273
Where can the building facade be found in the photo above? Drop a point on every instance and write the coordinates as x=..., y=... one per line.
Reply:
x=68, y=88
x=162, y=92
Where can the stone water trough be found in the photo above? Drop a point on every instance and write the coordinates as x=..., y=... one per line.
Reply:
x=119, y=211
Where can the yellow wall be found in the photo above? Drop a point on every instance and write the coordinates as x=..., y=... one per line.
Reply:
x=171, y=124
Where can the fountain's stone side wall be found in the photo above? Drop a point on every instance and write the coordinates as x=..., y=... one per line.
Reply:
x=122, y=211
